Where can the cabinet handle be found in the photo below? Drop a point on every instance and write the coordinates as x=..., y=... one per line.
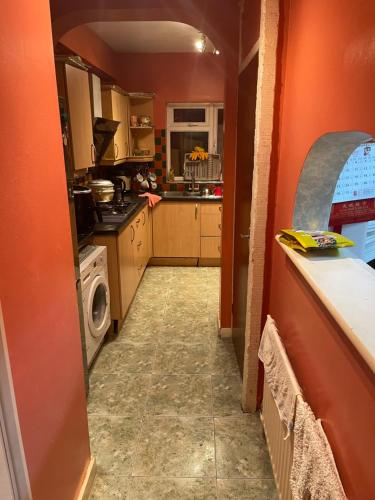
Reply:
x=93, y=153
x=116, y=151
x=144, y=218
x=133, y=233
x=220, y=208
x=219, y=226
x=137, y=222
x=196, y=210
x=245, y=236
x=139, y=244
x=219, y=248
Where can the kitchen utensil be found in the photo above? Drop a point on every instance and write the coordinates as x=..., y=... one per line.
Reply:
x=139, y=177
x=145, y=121
x=127, y=182
x=102, y=189
x=154, y=185
x=145, y=184
x=134, y=121
x=152, y=177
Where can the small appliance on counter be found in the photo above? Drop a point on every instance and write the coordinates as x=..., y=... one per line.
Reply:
x=84, y=213
x=103, y=190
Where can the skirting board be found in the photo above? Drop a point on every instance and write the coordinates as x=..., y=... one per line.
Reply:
x=88, y=481
x=225, y=333
x=173, y=261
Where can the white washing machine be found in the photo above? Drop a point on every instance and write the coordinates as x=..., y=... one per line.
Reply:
x=95, y=297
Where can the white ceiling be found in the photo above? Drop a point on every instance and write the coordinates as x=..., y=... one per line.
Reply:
x=148, y=36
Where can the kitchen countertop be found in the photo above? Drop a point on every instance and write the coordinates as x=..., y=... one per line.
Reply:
x=184, y=196
x=117, y=227
x=139, y=203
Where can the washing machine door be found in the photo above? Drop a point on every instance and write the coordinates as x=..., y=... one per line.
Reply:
x=98, y=306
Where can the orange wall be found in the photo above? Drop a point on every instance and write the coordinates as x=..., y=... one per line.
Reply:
x=173, y=77
x=37, y=281
x=328, y=67
x=84, y=42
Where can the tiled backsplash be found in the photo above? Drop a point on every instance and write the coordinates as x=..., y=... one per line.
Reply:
x=160, y=163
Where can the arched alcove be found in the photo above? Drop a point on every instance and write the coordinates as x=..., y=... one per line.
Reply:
x=318, y=179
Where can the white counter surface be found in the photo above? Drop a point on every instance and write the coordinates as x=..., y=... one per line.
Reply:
x=346, y=286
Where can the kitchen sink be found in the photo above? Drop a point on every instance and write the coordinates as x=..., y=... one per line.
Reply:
x=187, y=194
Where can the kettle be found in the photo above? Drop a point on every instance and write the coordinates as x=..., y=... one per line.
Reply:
x=126, y=182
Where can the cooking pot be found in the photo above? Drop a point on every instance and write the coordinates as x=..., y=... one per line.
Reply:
x=84, y=211
x=103, y=190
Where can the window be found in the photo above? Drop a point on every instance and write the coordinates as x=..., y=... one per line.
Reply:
x=191, y=125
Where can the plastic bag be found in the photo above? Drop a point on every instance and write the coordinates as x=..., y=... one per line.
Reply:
x=308, y=240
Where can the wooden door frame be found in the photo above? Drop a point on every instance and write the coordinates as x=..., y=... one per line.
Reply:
x=9, y=424
x=264, y=120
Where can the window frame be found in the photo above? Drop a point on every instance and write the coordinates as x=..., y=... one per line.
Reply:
x=210, y=126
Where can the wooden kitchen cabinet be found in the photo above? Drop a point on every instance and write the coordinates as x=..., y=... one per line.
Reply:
x=128, y=273
x=128, y=254
x=115, y=106
x=73, y=86
x=210, y=247
x=210, y=219
x=210, y=233
x=176, y=229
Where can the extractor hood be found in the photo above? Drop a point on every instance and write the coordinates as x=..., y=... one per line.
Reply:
x=104, y=130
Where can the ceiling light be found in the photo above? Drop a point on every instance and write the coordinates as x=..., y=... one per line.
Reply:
x=216, y=52
x=200, y=44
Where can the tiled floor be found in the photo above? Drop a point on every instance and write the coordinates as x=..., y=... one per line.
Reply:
x=164, y=407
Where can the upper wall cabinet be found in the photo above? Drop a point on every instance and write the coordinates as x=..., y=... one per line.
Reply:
x=142, y=135
x=115, y=106
x=73, y=85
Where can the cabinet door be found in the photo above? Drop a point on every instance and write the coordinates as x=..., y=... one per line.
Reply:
x=210, y=219
x=119, y=113
x=116, y=107
x=176, y=229
x=127, y=267
x=77, y=83
x=210, y=247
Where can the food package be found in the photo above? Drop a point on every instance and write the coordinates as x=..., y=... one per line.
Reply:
x=310, y=240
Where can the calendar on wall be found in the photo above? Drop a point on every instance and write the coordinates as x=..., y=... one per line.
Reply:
x=357, y=179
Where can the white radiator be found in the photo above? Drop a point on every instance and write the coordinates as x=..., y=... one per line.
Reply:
x=281, y=451
x=300, y=454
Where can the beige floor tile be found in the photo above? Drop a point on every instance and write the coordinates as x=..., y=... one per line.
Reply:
x=183, y=395
x=173, y=489
x=176, y=447
x=182, y=358
x=246, y=489
x=241, y=451
x=111, y=488
x=112, y=394
x=222, y=358
x=115, y=443
x=120, y=358
x=226, y=395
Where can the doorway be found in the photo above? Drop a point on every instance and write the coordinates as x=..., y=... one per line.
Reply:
x=247, y=97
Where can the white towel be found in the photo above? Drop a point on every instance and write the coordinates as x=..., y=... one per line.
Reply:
x=278, y=373
x=314, y=475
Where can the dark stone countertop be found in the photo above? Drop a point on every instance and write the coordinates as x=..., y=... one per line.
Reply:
x=181, y=196
x=137, y=204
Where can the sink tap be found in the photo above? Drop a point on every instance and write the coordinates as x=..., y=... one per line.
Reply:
x=194, y=186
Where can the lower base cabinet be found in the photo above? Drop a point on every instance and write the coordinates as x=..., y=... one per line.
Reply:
x=187, y=230
x=128, y=254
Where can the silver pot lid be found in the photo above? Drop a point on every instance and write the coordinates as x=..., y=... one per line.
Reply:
x=101, y=183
